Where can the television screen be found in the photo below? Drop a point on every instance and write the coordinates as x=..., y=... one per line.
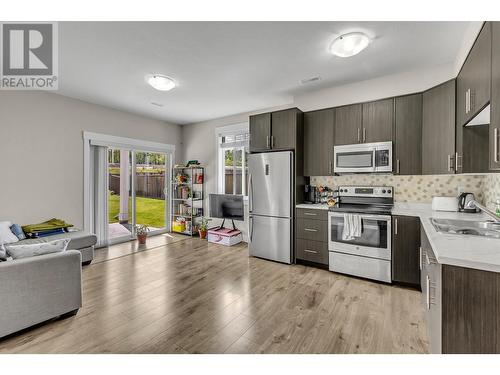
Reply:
x=227, y=206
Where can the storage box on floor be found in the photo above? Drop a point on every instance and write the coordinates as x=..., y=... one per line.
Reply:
x=225, y=236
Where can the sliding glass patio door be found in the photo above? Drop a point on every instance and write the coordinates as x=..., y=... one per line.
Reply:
x=137, y=193
x=120, y=195
x=151, y=198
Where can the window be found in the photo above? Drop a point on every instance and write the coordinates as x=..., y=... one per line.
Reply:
x=232, y=159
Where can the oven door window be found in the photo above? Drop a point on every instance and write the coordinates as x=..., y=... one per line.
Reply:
x=373, y=233
x=359, y=159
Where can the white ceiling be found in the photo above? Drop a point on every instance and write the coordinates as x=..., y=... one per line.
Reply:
x=224, y=68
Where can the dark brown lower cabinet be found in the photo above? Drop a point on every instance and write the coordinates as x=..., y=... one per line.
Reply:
x=405, y=250
x=312, y=251
x=312, y=236
x=462, y=306
x=470, y=310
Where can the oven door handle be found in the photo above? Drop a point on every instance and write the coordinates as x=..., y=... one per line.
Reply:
x=363, y=216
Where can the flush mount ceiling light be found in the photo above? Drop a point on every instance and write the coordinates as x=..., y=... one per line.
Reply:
x=161, y=82
x=350, y=44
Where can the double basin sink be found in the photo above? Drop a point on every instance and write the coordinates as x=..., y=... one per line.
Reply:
x=465, y=227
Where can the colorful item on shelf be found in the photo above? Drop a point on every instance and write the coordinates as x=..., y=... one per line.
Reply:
x=181, y=178
x=185, y=192
x=192, y=163
x=199, y=178
x=179, y=225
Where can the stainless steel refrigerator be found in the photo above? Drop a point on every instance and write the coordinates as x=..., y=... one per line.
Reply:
x=270, y=206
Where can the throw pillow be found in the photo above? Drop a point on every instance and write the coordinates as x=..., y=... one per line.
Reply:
x=6, y=235
x=18, y=231
x=25, y=251
x=3, y=253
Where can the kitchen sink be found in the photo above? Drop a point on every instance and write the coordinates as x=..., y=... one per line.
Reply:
x=467, y=227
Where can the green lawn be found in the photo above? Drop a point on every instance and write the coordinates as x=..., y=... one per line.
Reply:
x=149, y=211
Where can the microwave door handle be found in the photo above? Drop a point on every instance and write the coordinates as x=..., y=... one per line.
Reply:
x=374, y=160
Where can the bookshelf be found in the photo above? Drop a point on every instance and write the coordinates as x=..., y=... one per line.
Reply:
x=187, y=199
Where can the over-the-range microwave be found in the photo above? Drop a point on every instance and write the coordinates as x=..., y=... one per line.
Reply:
x=363, y=158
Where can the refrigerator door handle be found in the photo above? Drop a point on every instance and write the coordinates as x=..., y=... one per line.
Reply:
x=250, y=228
x=250, y=193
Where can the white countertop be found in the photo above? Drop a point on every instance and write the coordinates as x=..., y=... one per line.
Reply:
x=458, y=250
x=313, y=206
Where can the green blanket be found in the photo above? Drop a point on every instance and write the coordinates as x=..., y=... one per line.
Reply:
x=46, y=225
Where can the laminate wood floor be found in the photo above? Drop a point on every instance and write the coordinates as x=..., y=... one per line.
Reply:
x=188, y=296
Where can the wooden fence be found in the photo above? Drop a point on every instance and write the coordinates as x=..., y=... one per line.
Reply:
x=148, y=185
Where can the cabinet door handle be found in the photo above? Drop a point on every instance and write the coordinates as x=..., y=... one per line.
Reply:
x=420, y=258
x=364, y=135
x=310, y=251
x=495, y=144
x=466, y=101
x=397, y=166
x=310, y=214
x=395, y=226
x=310, y=230
x=458, y=166
x=268, y=142
x=330, y=168
x=359, y=135
x=450, y=163
x=472, y=100
x=428, y=291
x=272, y=141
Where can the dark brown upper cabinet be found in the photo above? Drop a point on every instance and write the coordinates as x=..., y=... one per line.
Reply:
x=494, y=128
x=284, y=129
x=348, y=124
x=438, y=129
x=473, y=96
x=276, y=130
x=408, y=135
x=406, y=250
x=474, y=79
x=378, y=121
x=318, y=142
x=260, y=132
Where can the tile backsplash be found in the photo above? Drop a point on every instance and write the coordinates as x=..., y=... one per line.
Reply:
x=423, y=188
x=491, y=189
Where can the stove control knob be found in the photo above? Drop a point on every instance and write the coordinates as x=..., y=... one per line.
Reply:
x=383, y=191
x=389, y=191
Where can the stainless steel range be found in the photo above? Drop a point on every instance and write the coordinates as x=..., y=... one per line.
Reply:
x=367, y=253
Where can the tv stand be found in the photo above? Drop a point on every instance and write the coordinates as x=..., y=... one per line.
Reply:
x=232, y=222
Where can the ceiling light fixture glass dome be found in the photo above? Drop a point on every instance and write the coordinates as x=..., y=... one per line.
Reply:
x=350, y=44
x=161, y=82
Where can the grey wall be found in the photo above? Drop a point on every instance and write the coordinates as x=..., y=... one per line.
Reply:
x=41, y=151
x=199, y=143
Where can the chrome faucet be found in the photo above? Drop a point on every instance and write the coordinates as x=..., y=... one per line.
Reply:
x=476, y=204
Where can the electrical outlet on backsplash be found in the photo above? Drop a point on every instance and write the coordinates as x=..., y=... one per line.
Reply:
x=421, y=189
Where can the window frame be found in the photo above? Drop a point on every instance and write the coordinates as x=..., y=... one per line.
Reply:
x=225, y=131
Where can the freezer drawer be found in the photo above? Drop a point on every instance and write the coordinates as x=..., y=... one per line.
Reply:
x=370, y=268
x=271, y=238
